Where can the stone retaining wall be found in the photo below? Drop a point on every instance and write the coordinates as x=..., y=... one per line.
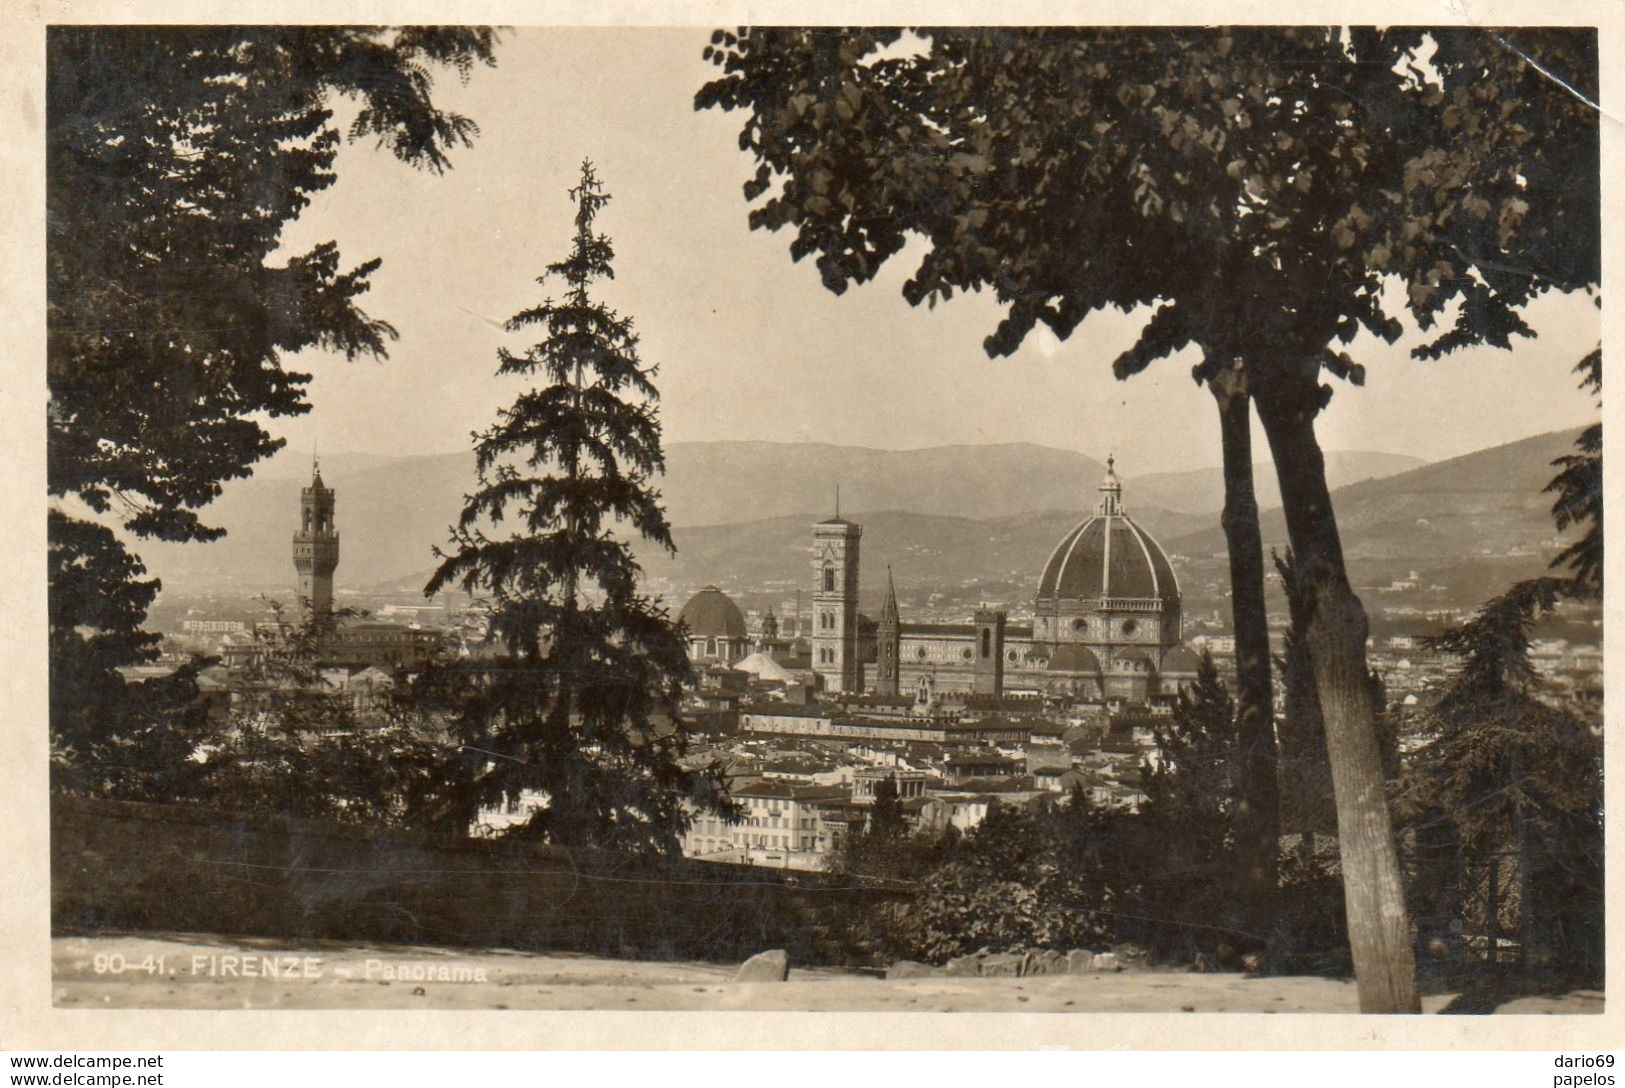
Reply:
x=144, y=867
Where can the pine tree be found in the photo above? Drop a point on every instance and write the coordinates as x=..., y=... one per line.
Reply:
x=580, y=706
x=1507, y=771
x=1194, y=880
x=1579, y=494
x=1512, y=774
x=1191, y=779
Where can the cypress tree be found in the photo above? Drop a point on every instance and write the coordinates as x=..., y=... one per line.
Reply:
x=578, y=708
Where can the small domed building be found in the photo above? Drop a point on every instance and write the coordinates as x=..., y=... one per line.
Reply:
x=714, y=627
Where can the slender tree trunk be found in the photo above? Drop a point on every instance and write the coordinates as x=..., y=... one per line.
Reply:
x=1379, y=931
x=1492, y=911
x=1257, y=822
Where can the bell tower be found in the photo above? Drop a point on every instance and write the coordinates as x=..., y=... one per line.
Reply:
x=316, y=548
x=835, y=605
x=987, y=677
x=889, y=644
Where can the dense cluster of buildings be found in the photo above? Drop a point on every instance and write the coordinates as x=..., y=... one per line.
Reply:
x=962, y=717
x=355, y=660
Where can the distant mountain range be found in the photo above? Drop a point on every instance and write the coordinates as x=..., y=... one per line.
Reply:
x=952, y=514
x=1201, y=491
x=1489, y=503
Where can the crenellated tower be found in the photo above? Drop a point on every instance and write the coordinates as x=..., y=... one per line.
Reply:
x=316, y=548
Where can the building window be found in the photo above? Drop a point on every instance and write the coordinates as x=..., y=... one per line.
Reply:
x=829, y=578
x=987, y=642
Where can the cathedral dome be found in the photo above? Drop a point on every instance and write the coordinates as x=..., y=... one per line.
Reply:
x=1108, y=555
x=711, y=614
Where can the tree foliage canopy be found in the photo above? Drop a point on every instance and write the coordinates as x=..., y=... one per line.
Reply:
x=292, y=745
x=1251, y=190
x=175, y=157
x=1249, y=182
x=170, y=305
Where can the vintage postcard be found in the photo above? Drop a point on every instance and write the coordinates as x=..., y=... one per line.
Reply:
x=1058, y=525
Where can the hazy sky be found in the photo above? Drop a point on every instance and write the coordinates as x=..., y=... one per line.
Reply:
x=749, y=344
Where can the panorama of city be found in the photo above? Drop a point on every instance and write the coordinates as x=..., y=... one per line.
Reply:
x=682, y=625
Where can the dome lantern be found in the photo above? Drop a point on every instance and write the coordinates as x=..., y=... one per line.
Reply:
x=1111, y=491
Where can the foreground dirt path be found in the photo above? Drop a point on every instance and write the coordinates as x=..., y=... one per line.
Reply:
x=180, y=971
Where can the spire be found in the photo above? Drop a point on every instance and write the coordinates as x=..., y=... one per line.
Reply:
x=1111, y=490
x=888, y=611
x=837, y=500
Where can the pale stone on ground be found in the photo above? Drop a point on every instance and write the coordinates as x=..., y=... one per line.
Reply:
x=771, y=966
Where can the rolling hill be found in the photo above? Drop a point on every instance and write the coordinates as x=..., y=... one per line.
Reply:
x=1201, y=491
x=392, y=511
x=951, y=515
x=1489, y=503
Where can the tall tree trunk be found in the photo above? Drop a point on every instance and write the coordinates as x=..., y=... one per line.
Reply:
x=1379, y=932
x=1257, y=824
x=1303, y=773
x=1524, y=871
x=1492, y=910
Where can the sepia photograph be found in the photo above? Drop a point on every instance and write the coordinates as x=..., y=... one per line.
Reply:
x=969, y=519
